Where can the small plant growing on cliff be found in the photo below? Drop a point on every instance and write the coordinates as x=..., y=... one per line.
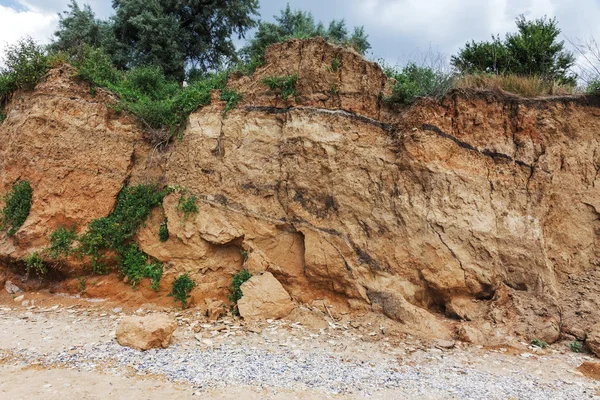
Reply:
x=539, y=343
x=232, y=97
x=134, y=204
x=284, y=86
x=576, y=346
x=163, y=231
x=17, y=205
x=61, y=242
x=182, y=287
x=236, y=291
x=82, y=285
x=187, y=205
x=335, y=64
x=135, y=266
x=35, y=263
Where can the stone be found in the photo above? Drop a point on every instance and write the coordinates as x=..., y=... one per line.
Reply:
x=470, y=334
x=593, y=339
x=263, y=298
x=215, y=309
x=19, y=299
x=147, y=332
x=444, y=344
x=313, y=319
x=11, y=288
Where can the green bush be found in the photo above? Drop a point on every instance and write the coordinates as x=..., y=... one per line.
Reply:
x=25, y=64
x=576, y=347
x=135, y=266
x=113, y=232
x=17, y=205
x=414, y=81
x=163, y=231
x=284, y=86
x=187, y=205
x=182, y=287
x=236, y=291
x=61, y=242
x=335, y=64
x=539, y=343
x=232, y=97
x=35, y=263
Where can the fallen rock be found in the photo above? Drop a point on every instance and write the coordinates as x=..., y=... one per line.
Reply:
x=590, y=369
x=313, y=319
x=444, y=344
x=148, y=332
x=593, y=339
x=264, y=297
x=11, y=288
x=215, y=309
x=19, y=299
x=470, y=334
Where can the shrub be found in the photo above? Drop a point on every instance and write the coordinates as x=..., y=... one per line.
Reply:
x=284, y=86
x=82, y=285
x=236, y=291
x=25, y=64
x=163, y=231
x=187, y=205
x=414, y=81
x=61, y=242
x=526, y=86
x=335, y=64
x=135, y=266
x=232, y=97
x=182, y=287
x=17, y=205
x=539, y=343
x=576, y=347
x=35, y=263
x=113, y=232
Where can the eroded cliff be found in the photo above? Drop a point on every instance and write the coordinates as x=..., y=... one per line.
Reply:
x=475, y=216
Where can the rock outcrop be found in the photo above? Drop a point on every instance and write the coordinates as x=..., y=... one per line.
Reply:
x=264, y=298
x=481, y=207
x=148, y=332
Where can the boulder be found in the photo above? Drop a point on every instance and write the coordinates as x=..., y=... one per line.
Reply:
x=11, y=288
x=593, y=339
x=215, y=309
x=264, y=298
x=143, y=333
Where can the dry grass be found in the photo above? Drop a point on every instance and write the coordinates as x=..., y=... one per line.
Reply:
x=526, y=86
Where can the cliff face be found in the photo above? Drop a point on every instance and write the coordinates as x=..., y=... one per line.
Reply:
x=481, y=207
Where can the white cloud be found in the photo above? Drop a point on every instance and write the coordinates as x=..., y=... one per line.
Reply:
x=16, y=24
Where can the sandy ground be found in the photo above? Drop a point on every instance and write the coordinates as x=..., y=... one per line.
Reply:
x=31, y=334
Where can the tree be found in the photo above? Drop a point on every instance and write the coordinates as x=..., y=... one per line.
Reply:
x=78, y=27
x=533, y=50
x=301, y=24
x=174, y=34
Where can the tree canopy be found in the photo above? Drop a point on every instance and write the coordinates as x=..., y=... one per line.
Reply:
x=533, y=50
x=301, y=24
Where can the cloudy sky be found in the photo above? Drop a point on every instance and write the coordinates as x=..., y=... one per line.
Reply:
x=398, y=29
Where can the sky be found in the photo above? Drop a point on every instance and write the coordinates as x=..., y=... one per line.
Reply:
x=399, y=30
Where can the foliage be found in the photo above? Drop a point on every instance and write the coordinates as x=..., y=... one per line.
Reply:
x=17, y=205
x=61, y=242
x=335, y=64
x=163, y=231
x=539, y=343
x=576, y=347
x=182, y=287
x=284, y=86
x=82, y=285
x=187, y=205
x=301, y=24
x=533, y=50
x=25, y=64
x=232, y=97
x=414, y=81
x=526, y=86
x=236, y=291
x=135, y=266
x=113, y=232
x=34, y=262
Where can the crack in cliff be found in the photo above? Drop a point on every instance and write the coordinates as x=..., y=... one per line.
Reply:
x=486, y=152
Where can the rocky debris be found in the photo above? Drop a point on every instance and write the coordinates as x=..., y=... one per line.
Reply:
x=263, y=298
x=310, y=318
x=593, y=339
x=11, y=288
x=215, y=309
x=470, y=334
x=147, y=332
x=444, y=344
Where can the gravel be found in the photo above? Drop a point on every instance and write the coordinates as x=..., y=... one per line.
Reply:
x=284, y=368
